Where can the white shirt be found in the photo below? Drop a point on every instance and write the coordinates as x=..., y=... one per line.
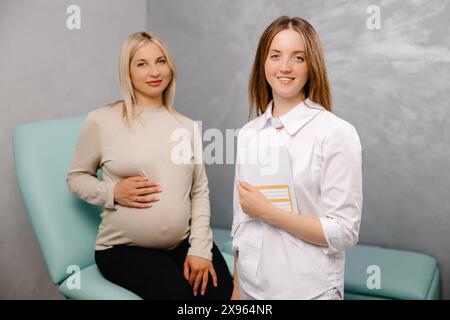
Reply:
x=326, y=159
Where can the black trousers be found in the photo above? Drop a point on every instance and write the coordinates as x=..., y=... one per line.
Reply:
x=156, y=274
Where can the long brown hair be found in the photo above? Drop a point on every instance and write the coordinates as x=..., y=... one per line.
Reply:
x=317, y=87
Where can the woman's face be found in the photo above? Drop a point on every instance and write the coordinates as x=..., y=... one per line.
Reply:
x=285, y=67
x=149, y=71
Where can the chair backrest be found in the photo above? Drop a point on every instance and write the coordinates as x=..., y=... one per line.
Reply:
x=65, y=226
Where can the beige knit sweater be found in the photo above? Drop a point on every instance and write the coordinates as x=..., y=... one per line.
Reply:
x=148, y=149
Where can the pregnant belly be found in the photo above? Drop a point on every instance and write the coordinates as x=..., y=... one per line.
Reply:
x=162, y=226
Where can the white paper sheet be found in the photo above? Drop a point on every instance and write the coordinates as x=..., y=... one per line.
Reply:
x=271, y=172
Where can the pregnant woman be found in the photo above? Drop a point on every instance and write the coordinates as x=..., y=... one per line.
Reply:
x=155, y=237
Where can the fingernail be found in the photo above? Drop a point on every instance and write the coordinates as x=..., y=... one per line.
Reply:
x=195, y=294
x=215, y=284
x=203, y=292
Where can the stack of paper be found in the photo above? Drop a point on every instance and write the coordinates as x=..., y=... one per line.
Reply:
x=271, y=172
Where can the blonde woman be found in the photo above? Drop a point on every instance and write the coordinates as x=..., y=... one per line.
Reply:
x=299, y=254
x=155, y=237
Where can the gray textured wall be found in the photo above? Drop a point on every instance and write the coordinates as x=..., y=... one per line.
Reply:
x=392, y=84
x=48, y=72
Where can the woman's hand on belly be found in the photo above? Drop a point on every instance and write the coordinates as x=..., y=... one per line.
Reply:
x=136, y=192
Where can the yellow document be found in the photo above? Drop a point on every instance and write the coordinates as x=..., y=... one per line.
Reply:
x=279, y=196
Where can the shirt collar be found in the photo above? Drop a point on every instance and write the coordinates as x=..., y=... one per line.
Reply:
x=295, y=119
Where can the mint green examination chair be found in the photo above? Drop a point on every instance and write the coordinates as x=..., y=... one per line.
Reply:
x=65, y=226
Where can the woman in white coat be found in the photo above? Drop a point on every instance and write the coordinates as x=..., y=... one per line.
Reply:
x=298, y=254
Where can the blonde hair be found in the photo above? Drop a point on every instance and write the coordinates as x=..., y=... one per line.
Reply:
x=129, y=49
x=316, y=88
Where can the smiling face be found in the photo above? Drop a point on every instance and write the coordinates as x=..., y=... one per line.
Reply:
x=150, y=74
x=285, y=67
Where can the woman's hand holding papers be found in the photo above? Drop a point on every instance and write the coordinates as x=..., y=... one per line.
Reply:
x=253, y=202
x=256, y=205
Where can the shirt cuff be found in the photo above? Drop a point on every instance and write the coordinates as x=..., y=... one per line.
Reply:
x=331, y=231
x=109, y=204
x=200, y=253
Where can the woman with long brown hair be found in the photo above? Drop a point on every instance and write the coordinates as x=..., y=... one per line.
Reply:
x=298, y=253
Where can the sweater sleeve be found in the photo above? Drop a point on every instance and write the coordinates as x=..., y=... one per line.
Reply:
x=82, y=176
x=200, y=238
